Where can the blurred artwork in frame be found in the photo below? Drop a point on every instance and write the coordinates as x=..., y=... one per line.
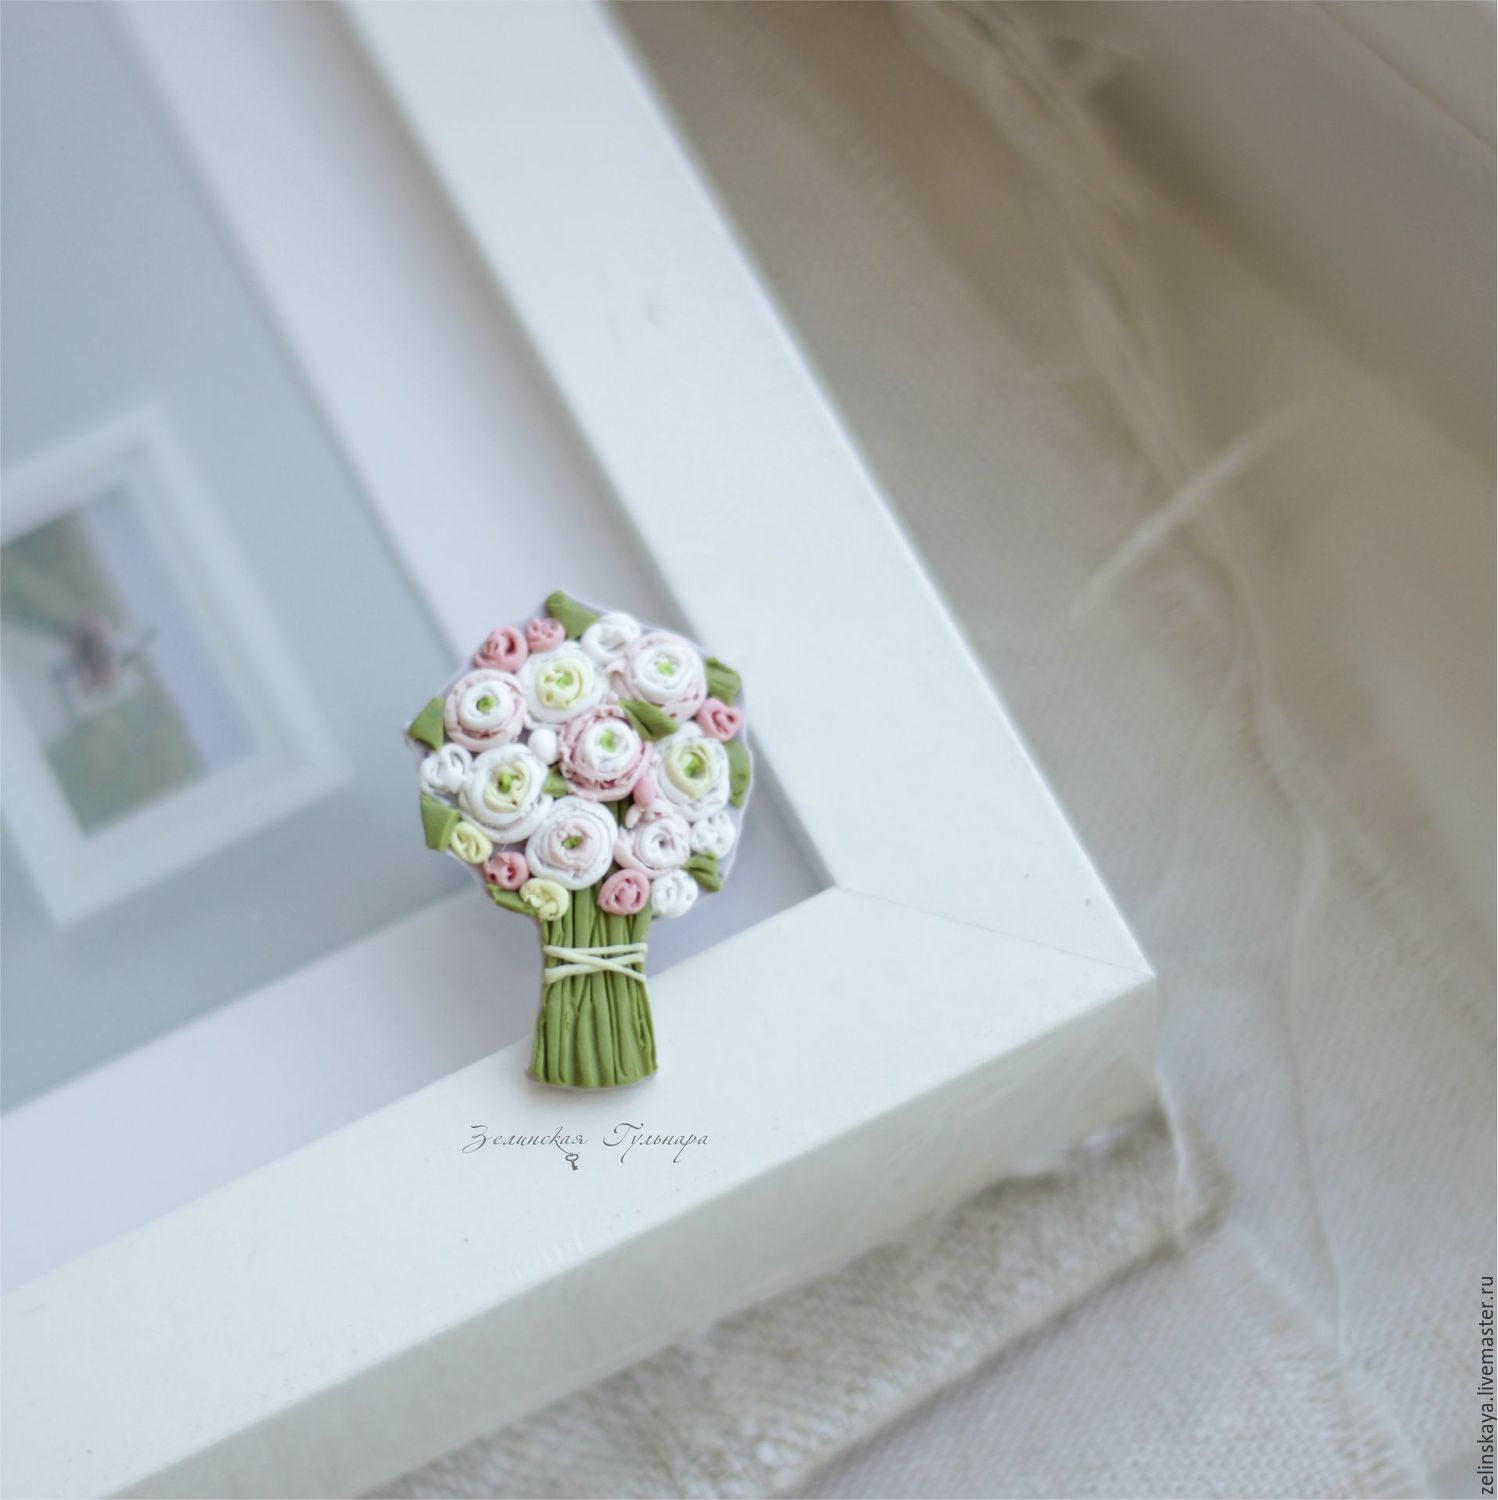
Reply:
x=145, y=693
x=107, y=664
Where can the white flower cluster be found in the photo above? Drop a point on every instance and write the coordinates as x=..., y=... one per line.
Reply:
x=558, y=757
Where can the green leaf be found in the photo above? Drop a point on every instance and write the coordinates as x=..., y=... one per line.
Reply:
x=575, y=619
x=652, y=723
x=510, y=900
x=722, y=681
x=426, y=727
x=703, y=868
x=738, y=772
x=556, y=783
x=437, y=822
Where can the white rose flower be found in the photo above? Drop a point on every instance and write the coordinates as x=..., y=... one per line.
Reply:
x=653, y=840
x=714, y=835
x=691, y=773
x=665, y=670
x=559, y=684
x=574, y=844
x=505, y=793
x=444, y=771
x=545, y=746
x=607, y=638
x=484, y=709
x=673, y=895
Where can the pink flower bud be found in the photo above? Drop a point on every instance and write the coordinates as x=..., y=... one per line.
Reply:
x=624, y=893
x=505, y=650
x=545, y=634
x=508, y=870
x=717, y=719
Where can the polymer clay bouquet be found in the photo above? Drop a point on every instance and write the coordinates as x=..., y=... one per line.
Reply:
x=592, y=773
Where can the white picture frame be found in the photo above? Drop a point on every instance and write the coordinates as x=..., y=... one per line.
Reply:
x=967, y=1010
x=286, y=757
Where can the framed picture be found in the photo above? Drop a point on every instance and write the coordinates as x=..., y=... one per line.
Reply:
x=152, y=715
x=955, y=1003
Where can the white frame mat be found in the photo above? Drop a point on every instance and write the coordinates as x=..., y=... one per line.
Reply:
x=962, y=1003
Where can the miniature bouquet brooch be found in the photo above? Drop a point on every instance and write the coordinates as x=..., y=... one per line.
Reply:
x=592, y=773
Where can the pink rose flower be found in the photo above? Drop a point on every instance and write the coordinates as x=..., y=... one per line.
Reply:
x=508, y=870
x=545, y=634
x=624, y=893
x=717, y=719
x=602, y=754
x=505, y=650
x=646, y=791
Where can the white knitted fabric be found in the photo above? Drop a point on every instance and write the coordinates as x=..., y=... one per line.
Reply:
x=1094, y=1406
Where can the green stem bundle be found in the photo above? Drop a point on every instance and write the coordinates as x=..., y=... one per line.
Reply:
x=594, y=1030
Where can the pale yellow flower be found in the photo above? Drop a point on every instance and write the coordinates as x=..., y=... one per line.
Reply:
x=546, y=898
x=470, y=844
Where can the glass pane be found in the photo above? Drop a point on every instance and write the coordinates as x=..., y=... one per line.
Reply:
x=175, y=496
x=209, y=652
